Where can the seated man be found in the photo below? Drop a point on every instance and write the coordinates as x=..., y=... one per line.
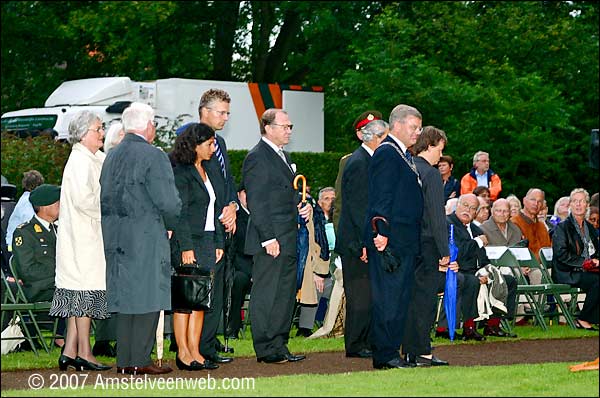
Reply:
x=471, y=240
x=34, y=248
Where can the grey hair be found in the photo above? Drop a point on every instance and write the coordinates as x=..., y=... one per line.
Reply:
x=477, y=155
x=532, y=190
x=112, y=136
x=326, y=189
x=400, y=112
x=374, y=128
x=136, y=117
x=580, y=190
x=80, y=125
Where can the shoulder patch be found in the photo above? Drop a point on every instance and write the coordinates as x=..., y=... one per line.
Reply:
x=22, y=225
x=18, y=240
x=37, y=228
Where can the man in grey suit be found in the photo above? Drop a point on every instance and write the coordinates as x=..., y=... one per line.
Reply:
x=499, y=230
x=139, y=204
x=268, y=177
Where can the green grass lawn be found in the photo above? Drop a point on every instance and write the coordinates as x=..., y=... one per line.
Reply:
x=551, y=379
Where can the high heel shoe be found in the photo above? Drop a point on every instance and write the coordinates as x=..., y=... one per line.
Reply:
x=580, y=326
x=64, y=362
x=194, y=365
x=82, y=364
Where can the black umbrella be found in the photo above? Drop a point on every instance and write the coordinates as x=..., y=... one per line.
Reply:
x=229, y=272
x=389, y=262
x=302, y=237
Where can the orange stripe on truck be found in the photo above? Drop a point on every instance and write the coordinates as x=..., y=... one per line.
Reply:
x=275, y=91
x=259, y=105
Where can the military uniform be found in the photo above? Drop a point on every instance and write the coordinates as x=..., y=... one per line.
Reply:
x=34, y=251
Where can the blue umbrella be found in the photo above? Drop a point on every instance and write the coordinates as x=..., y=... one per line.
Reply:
x=450, y=288
x=302, y=237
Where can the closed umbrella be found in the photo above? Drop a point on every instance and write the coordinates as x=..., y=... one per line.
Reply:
x=160, y=338
x=450, y=288
x=229, y=272
x=302, y=237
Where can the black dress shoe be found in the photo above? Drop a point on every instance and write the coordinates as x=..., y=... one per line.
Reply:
x=472, y=334
x=295, y=358
x=220, y=347
x=82, y=364
x=493, y=331
x=303, y=332
x=396, y=363
x=364, y=353
x=420, y=360
x=218, y=359
x=274, y=358
x=65, y=362
x=194, y=365
x=209, y=365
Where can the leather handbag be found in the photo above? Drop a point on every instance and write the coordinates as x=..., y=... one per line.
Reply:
x=191, y=288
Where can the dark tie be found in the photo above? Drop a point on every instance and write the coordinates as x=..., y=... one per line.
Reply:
x=409, y=156
x=220, y=157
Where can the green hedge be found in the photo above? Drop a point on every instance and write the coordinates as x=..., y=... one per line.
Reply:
x=49, y=158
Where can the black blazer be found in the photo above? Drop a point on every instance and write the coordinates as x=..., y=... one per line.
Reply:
x=567, y=247
x=471, y=257
x=242, y=262
x=354, y=188
x=434, y=226
x=195, y=199
x=272, y=200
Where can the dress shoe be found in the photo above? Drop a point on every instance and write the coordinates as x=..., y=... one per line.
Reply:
x=218, y=359
x=82, y=364
x=420, y=360
x=303, y=332
x=580, y=326
x=64, y=362
x=145, y=370
x=364, y=353
x=274, y=358
x=194, y=365
x=472, y=334
x=295, y=358
x=445, y=334
x=209, y=365
x=396, y=363
x=220, y=347
x=104, y=348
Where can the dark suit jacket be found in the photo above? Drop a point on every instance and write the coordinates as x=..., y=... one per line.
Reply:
x=470, y=256
x=434, y=226
x=354, y=187
x=242, y=262
x=225, y=185
x=34, y=251
x=272, y=200
x=394, y=193
x=194, y=204
x=567, y=247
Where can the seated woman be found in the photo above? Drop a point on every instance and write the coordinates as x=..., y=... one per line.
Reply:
x=575, y=241
x=199, y=236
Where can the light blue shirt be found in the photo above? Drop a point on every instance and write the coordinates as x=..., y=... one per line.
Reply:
x=482, y=180
x=330, y=235
x=22, y=213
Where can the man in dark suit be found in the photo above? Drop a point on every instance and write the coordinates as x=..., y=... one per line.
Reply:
x=268, y=178
x=394, y=194
x=214, y=111
x=472, y=256
x=349, y=243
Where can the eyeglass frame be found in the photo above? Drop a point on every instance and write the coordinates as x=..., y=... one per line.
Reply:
x=97, y=130
x=285, y=126
x=466, y=206
x=220, y=113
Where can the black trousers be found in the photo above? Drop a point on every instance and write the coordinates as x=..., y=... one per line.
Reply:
x=272, y=302
x=357, y=289
x=241, y=287
x=390, y=295
x=589, y=284
x=204, y=249
x=423, y=301
x=136, y=334
x=466, y=297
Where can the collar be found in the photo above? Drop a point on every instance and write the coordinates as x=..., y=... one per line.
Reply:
x=366, y=148
x=397, y=141
x=271, y=144
x=45, y=223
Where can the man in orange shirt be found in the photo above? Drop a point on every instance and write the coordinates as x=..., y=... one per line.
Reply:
x=481, y=175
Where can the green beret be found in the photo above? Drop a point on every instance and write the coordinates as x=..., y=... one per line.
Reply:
x=45, y=195
x=366, y=117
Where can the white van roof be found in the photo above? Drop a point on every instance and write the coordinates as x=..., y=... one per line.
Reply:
x=95, y=91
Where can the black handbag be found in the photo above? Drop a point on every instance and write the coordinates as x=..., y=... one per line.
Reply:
x=191, y=288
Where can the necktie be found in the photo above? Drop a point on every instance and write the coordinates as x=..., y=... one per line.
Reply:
x=282, y=156
x=409, y=156
x=219, y=155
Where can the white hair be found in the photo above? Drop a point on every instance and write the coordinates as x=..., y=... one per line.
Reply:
x=112, y=137
x=136, y=117
x=80, y=125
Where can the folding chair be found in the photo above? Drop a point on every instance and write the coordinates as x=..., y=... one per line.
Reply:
x=576, y=295
x=26, y=311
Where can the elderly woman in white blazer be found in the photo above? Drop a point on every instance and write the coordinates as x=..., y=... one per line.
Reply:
x=80, y=293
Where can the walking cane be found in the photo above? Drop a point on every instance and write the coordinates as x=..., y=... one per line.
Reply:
x=160, y=338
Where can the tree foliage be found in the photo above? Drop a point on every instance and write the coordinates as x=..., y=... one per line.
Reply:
x=517, y=79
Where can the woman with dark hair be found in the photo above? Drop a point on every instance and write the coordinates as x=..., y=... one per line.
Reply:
x=199, y=236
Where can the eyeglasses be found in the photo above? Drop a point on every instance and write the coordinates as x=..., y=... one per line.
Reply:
x=155, y=123
x=414, y=128
x=220, y=113
x=285, y=126
x=466, y=206
x=97, y=130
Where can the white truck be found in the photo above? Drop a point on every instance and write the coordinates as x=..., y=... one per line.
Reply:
x=176, y=102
